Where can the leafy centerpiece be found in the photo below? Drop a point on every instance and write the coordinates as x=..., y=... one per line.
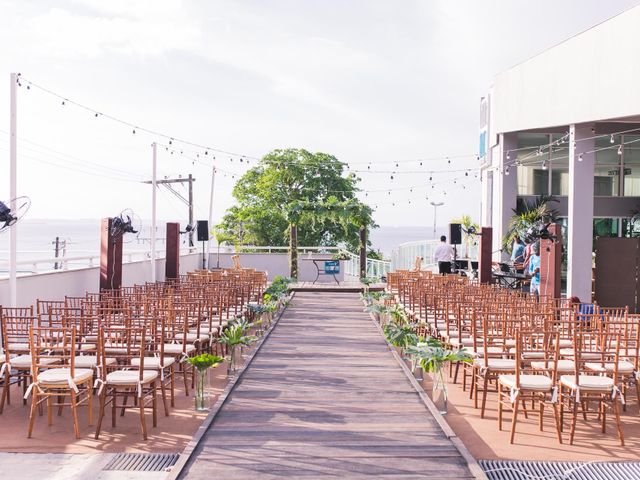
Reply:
x=232, y=336
x=202, y=363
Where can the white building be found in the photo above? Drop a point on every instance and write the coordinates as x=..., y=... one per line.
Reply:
x=567, y=122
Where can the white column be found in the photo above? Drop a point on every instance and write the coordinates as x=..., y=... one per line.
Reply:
x=154, y=149
x=213, y=180
x=13, y=190
x=580, y=238
x=505, y=188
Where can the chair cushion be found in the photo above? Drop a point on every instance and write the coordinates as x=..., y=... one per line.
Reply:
x=569, y=353
x=176, y=348
x=18, y=347
x=563, y=366
x=527, y=382
x=130, y=377
x=193, y=336
x=624, y=366
x=587, y=382
x=90, y=361
x=60, y=376
x=500, y=364
x=24, y=361
x=529, y=354
x=153, y=363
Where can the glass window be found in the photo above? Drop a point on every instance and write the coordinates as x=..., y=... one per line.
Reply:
x=606, y=181
x=631, y=159
x=532, y=179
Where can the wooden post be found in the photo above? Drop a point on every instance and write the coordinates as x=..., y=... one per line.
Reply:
x=363, y=251
x=172, y=265
x=110, y=257
x=551, y=264
x=485, y=254
x=293, y=250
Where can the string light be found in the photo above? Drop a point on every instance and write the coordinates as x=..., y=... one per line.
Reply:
x=620, y=150
x=508, y=155
x=506, y=170
x=612, y=140
x=580, y=157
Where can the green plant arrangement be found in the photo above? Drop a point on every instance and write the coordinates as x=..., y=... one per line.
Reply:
x=433, y=355
x=233, y=336
x=202, y=363
x=397, y=314
x=401, y=336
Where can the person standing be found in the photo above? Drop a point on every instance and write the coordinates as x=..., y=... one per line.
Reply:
x=534, y=269
x=443, y=255
x=517, y=252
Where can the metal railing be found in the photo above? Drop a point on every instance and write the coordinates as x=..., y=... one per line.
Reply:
x=375, y=268
x=404, y=257
x=46, y=264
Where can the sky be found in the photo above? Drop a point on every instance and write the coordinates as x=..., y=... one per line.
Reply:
x=372, y=82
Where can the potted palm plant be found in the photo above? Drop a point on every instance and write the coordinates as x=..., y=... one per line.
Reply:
x=232, y=337
x=202, y=363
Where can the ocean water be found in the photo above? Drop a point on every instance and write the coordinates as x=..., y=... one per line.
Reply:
x=36, y=238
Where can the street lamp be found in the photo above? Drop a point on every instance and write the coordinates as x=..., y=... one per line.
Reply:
x=435, y=211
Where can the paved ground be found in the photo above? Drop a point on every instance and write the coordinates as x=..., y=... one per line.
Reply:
x=324, y=398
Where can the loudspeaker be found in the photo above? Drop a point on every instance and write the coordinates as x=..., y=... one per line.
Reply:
x=203, y=230
x=455, y=233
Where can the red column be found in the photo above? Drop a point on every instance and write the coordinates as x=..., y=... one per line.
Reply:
x=172, y=265
x=485, y=254
x=110, y=257
x=551, y=263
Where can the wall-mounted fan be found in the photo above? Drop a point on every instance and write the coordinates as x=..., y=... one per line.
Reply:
x=10, y=216
x=126, y=223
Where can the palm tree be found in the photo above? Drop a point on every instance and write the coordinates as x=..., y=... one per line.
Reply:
x=467, y=224
x=526, y=215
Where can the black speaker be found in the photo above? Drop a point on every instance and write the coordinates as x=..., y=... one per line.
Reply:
x=203, y=230
x=455, y=233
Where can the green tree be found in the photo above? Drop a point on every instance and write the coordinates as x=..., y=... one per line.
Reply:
x=467, y=224
x=527, y=214
x=295, y=197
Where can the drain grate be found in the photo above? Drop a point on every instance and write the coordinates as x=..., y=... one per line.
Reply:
x=142, y=462
x=520, y=470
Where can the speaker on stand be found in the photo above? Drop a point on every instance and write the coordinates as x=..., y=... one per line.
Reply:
x=455, y=239
x=203, y=236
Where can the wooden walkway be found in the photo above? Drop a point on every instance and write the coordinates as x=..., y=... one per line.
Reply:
x=324, y=398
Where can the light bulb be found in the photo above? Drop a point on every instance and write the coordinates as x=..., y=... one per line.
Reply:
x=580, y=157
x=506, y=171
x=544, y=165
x=620, y=150
x=611, y=139
x=508, y=155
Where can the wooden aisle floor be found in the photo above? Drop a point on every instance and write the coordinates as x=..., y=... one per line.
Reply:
x=324, y=398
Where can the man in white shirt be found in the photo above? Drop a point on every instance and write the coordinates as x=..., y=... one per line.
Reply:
x=443, y=255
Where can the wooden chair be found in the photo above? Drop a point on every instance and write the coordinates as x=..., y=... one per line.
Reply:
x=530, y=384
x=54, y=381
x=126, y=380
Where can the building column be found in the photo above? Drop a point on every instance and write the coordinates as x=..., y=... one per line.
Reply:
x=505, y=190
x=580, y=219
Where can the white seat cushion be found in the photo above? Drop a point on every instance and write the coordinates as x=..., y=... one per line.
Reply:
x=563, y=366
x=499, y=364
x=529, y=354
x=480, y=352
x=176, y=348
x=527, y=382
x=2, y=357
x=130, y=377
x=193, y=336
x=60, y=376
x=624, y=366
x=18, y=347
x=565, y=342
x=569, y=353
x=24, y=361
x=153, y=363
x=90, y=361
x=587, y=382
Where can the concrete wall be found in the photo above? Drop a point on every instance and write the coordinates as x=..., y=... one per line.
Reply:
x=591, y=76
x=278, y=264
x=55, y=285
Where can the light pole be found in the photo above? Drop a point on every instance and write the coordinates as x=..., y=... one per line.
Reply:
x=435, y=211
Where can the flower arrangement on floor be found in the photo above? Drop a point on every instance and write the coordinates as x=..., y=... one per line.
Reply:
x=202, y=363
